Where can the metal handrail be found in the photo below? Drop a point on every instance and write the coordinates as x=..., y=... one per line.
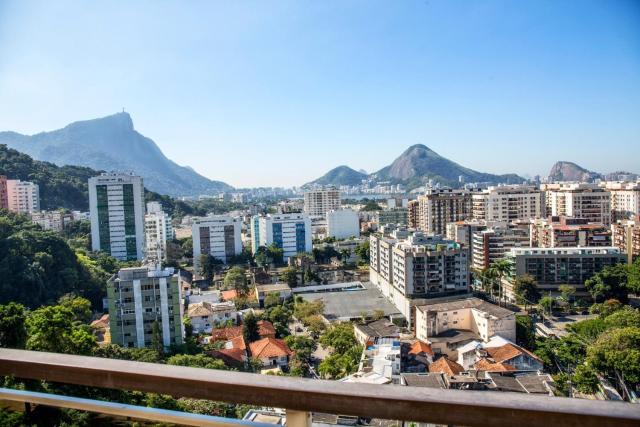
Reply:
x=458, y=407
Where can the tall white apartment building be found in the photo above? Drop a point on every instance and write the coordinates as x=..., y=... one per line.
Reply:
x=439, y=207
x=625, y=199
x=578, y=200
x=343, y=223
x=319, y=202
x=508, y=203
x=116, y=203
x=218, y=236
x=158, y=231
x=23, y=196
x=290, y=232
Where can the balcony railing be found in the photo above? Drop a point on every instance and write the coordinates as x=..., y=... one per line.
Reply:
x=300, y=396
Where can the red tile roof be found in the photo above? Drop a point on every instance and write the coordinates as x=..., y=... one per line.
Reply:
x=232, y=294
x=419, y=347
x=266, y=329
x=446, y=366
x=226, y=334
x=269, y=347
x=507, y=352
x=485, y=365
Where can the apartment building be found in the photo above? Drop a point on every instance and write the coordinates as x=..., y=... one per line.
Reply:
x=508, y=203
x=625, y=199
x=578, y=200
x=552, y=267
x=462, y=231
x=413, y=214
x=626, y=237
x=54, y=220
x=218, y=236
x=138, y=298
x=392, y=216
x=319, y=202
x=492, y=244
x=439, y=207
x=23, y=196
x=343, y=223
x=116, y=203
x=4, y=197
x=290, y=232
x=562, y=232
x=158, y=231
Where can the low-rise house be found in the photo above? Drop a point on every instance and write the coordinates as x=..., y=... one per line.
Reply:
x=283, y=291
x=446, y=366
x=101, y=329
x=418, y=357
x=271, y=352
x=205, y=316
x=373, y=332
x=266, y=329
x=531, y=383
x=380, y=364
x=498, y=355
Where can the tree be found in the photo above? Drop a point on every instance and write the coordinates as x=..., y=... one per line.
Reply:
x=339, y=365
x=618, y=351
x=606, y=308
x=362, y=250
x=290, y=276
x=315, y=324
x=302, y=346
x=208, y=266
x=305, y=309
x=13, y=333
x=585, y=379
x=250, y=328
x=340, y=337
x=371, y=205
x=610, y=282
x=237, y=279
x=526, y=290
x=633, y=282
x=546, y=304
x=276, y=254
x=501, y=268
x=272, y=300
x=55, y=329
x=196, y=361
x=80, y=307
x=156, y=339
x=566, y=292
x=377, y=314
x=525, y=332
x=345, y=254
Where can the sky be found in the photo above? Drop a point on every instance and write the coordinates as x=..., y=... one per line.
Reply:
x=276, y=93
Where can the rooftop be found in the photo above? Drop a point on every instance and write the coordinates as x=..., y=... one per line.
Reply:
x=431, y=380
x=459, y=304
x=446, y=366
x=382, y=328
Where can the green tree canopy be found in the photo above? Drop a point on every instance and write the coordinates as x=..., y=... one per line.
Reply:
x=610, y=282
x=13, y=333
x=526, y=289
x=237, y=279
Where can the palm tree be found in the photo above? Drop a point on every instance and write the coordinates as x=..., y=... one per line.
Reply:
x=501, y=268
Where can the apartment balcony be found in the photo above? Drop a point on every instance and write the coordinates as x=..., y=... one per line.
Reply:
x=298, y=396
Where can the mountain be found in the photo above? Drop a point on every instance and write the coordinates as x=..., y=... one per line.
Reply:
x=342, y=175
x=419, y=163
x=111, y=143
x=568, y=171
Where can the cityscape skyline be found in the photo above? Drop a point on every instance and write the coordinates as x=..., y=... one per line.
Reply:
x=364, y=81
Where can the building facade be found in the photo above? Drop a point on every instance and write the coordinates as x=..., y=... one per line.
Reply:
x=508, y=203
x=158, y=231
x=439, y=207
x=319, y=202
x=116, y=203
x=392, y=216
x=625, y=199
x=23, y=196
x=53, y=220
x=289, y=232
x=492, y=244
x=218, y=236
x=343, y=223
x=559, y=232
x=626, y=237
x=578, y=200
x=138, y=298
x=4, y=196
x=413, y=214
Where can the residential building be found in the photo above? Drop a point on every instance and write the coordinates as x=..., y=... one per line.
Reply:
x=438, y=207
x=379, y=364
x=392, y=216
x=378, y=331
x=52, y=220
x=218, y=236
x=497, y=355
x=448, y=325
x=205, y=316
x=578, y=200
x=140, y=297
x=626, y=237
x=272, y=352
x=283, y=291
x=508, y=203
x=343, y=223
x=158, y=231
x=462, y=231
x=625, y=199
x=556, y=232
x=290, y=232
x=552, y=267
x=4, y=197
x=116, y=205
x=319, y=202
x=491, y=245
x=23, y=196
x=413, y=214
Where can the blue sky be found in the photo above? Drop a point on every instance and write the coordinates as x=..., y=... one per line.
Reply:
x=279, y=92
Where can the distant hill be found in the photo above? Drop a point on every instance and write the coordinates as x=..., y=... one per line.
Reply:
x=418, y=164
x=568, y=171
x=112, y=143
x=342, y=175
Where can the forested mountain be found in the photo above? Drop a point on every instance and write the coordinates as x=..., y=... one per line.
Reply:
x=342, y=175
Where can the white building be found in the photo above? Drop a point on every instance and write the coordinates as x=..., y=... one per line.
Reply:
x=290, y=232
x=54, y=220
x=116, y=204
x=23, y=196
x=625, y=199
x=508, y=203
x=319, y=202
x=205, y=316
x=343, y=223
x=158, y=231
x=578, y=200
x=218, y=236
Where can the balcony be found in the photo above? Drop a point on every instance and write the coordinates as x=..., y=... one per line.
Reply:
x=298, y=395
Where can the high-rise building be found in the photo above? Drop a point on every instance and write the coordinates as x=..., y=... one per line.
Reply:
x=413, y=214
x=392, y=216
x=4, y=197
x=626, y=237
x=492, y=244
x=218, y=236
x=138, y=298
x=625, y=199
x=116, y=203
x=343, y=223
x=578, y=200
x=158, y=231
x=559, y=232
x=462, y=231
x=23, y=196
x=290, y=232
x=438, y=207
x=319, y=202
x=508, y=203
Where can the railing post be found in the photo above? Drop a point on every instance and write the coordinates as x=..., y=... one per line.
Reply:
x=298, y=418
